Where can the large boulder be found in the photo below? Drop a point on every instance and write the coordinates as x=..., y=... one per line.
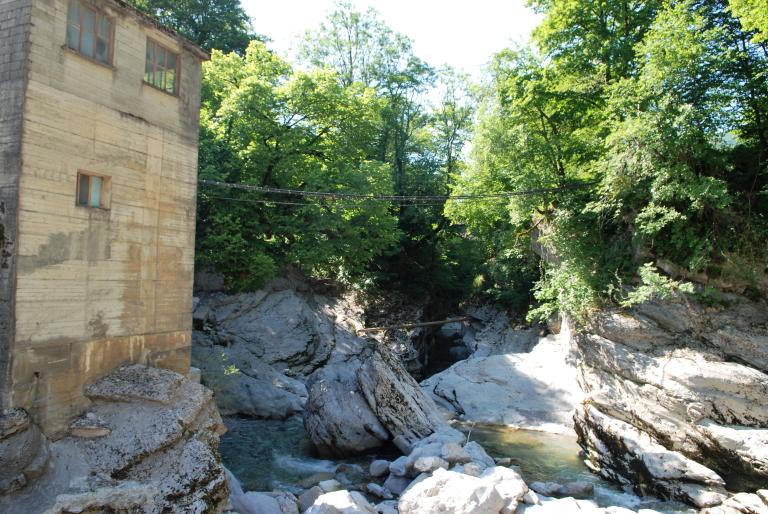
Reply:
x=535, y=390
x=338, y=418
x=256, y=350
x=149, y=443
x=676, y=397
x=243, y=384
x=296, y=332
x=359, y=403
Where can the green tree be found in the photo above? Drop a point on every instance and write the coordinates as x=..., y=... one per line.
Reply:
x=212, y=24
x=264, y=124
x=754, y=16
x=657, y=111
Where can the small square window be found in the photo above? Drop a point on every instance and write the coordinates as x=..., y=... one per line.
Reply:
x=93, y=191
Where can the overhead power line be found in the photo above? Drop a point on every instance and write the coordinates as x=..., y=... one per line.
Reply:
x=335, y=204
x=421, y=200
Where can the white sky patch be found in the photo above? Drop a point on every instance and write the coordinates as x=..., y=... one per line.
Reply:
x=462, y=34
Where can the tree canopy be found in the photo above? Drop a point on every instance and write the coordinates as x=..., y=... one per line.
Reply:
x=656, y=112
x=212, y=24
x=631, y=137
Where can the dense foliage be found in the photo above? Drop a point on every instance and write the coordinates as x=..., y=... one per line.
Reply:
x=635, y=132
x=220, y=24
x=357, y=123
x=657, y=113
x=264, y=124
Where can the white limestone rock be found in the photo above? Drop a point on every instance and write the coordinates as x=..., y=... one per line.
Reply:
x=449, y=492
x=510, y=486
x=341, y=502
x=536, y=390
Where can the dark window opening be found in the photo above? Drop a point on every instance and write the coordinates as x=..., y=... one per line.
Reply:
x=92, y=191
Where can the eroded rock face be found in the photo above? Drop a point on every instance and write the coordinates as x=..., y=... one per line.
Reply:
x=157, y=452
x=508, y=383
x=338, y=417
x=257, y=350
x=364, y=400
x=23, y=450
x=676, y=398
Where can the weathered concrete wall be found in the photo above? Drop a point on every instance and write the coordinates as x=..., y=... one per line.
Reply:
x=97, y=288
x=14, y=32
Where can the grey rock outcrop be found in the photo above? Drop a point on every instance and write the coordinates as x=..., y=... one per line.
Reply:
x=256, y=350
x=245, y=385
x=159, y=454
x=676, y=398
x=23, y=450
x=364, y=400
x=511, y=384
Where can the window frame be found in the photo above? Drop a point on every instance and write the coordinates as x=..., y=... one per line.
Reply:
x=105, y=193
x=177, y=71
x=99, y=14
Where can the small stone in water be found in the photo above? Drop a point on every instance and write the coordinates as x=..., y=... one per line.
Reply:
x=315, y=479
x=308, y=497
x=473, y=469
x=505, y=461
x=329, y=486
x=429, y=464
x=399, y=467
x=570, y=489
x=387, y=507
x=455, y=454
x=531, y=498
x=379, y=468
x=397, y=484
x=378, y=491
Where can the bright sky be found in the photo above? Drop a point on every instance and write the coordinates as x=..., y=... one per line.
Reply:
x=461, y=33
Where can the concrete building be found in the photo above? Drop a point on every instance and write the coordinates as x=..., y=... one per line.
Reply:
x=99, y=112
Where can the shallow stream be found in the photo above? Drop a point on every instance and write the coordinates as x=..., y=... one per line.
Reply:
x=547, y=457
x=270, y=455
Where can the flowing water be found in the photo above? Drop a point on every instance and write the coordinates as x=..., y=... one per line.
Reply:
x=547, y=457
x=270, y=455
x=267, y=455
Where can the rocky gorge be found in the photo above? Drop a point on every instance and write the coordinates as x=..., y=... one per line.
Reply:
x=666, y=400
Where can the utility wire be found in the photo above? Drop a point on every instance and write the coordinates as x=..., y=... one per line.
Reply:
x=335, y=204
x=391, y=198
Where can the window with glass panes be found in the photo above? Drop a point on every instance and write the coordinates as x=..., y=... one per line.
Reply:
x=90, y=32
x=92, y=191
x=162, y=68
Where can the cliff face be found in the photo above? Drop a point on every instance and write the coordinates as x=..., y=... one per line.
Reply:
x=676, y=397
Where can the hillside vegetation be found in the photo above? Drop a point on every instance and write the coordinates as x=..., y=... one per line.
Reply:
x=636, y=133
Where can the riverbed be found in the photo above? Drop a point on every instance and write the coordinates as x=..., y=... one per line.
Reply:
x=278, y=455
